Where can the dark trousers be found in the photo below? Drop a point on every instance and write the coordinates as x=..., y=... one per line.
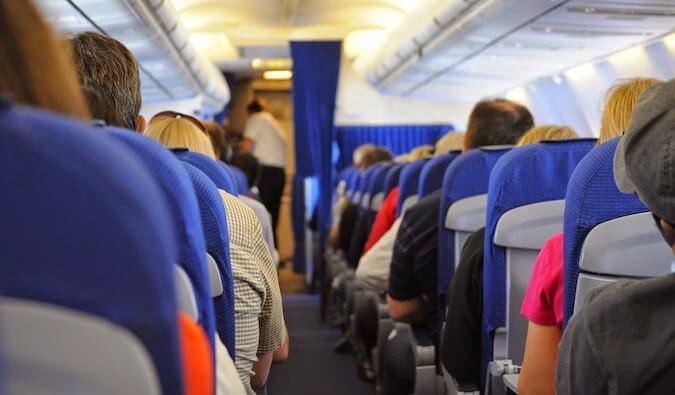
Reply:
x=271, y=186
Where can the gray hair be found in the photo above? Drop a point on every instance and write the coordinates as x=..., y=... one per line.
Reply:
x=106, y=66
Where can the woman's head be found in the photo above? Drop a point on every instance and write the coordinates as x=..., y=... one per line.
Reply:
x=179, y=131
x=620, y=101
x=423, y=151
x=546, y=132
x=377, y=154
x=451, y=141
x=217, y=136
x=27, y=47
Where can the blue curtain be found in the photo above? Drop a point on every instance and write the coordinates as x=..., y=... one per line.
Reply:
x=398, y=138
x=315, y=74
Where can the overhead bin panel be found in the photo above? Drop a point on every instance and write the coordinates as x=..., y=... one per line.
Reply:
x=170, y=68
x=521, y=40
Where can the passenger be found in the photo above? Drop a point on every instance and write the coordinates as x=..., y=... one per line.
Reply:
x=250, y=166
x=266, y=139
x=413, y=295
x=543, y=306
x=27, y=44
x=546, y=132
x=106, y=66
x=621, y=341
x=259, y=321
x=451, y=141
x=216, y=132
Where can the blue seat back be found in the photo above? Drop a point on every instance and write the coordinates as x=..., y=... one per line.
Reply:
x=207, y=176
x=353, y=181
x=366, y=186
x=241, y=180
x=409, y=182
x=86, y=227
x=592, y=198
x=214, y=222
x=466, y=176
x=392, y=177
x=431, y=177
x=180, y=194
x=526, y=175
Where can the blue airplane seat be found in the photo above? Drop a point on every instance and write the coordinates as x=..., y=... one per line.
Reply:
x=408, y=184
x=214, y=221
x=524, y=176
x=184, y=209
x=465, y=177
x=91, y=232
x=392, y=177
x=431, y=177
x=376, y=189
x=353, y=181
x=241, y=180
x=592, y=199
x=366, y=186
x=219, y=174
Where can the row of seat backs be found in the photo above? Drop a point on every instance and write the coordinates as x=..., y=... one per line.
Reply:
x=408, y=185
x=527, y=175
x=87, y=228
x=431, y=176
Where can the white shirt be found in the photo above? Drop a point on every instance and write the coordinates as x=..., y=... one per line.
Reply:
x=269, y=139
x=265, y=221
x=227, y=377
x=374, y=266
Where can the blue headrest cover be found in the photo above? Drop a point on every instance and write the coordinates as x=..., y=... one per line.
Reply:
x=86, y=227
x=592, y=198
x=431, y=177
x=409, y=181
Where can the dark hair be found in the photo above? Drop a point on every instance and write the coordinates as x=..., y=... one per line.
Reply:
x=254, y=106
x=101, y=109
x=377, y=154
x=249, y=165
x=106, y=66
x=497, y=122
x=217, y=136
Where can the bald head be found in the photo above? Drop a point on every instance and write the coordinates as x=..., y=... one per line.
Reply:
x=497, y=122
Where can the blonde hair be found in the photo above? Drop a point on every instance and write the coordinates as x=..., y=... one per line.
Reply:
x=451, y=141
x=423, y=151
x=360, y=152
x=620, y=101
x=546, y=132
x=174, y=132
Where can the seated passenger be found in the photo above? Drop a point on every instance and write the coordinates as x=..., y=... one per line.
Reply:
x=413, y=295
x=259, y=321
x=543, y=304
x=461, y=340
x=621, y=341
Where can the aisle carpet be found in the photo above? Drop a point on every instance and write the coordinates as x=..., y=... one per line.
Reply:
x=313, y=368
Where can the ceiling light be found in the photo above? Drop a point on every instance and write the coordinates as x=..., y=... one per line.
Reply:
x=518, y=95
x=548, y=30
x=278, y=75
x=669, y=40
x=628, y=55
x=557, y=79
x=256, y=63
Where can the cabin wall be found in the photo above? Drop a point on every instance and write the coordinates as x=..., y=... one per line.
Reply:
x=577, y=98
x=359, y=103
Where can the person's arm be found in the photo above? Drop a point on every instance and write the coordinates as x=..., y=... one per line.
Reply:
x=537, y=376
x=261, y=368
x=281, y=354
x=411, y=310
x=246, y=145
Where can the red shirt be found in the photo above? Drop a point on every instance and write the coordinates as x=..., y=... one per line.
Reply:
x=384, y=219
x=543, y=303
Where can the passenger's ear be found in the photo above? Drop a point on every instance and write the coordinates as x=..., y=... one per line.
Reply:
x=668, y=231
x=140, y=128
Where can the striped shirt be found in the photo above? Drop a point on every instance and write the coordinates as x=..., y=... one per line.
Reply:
x=259, y=321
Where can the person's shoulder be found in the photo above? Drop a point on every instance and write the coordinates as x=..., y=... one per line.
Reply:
x=237, y=209
x=425, y=209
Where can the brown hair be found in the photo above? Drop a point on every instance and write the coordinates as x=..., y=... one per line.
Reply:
x=620, y=101
x=27, y=46
x=106, y=66
x=497, y=122
x=377, y=154
x=217, y=136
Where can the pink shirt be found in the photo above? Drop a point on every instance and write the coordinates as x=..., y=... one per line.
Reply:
x=543, y=303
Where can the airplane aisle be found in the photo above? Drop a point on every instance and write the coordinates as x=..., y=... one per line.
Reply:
x=313, y=367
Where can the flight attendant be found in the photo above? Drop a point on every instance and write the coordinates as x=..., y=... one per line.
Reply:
x=266, y=140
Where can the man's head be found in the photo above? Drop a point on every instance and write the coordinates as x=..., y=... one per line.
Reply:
x=257, y=105
x=106, y=66
x=249, y=165
x=497, y=122
x=644, y=162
